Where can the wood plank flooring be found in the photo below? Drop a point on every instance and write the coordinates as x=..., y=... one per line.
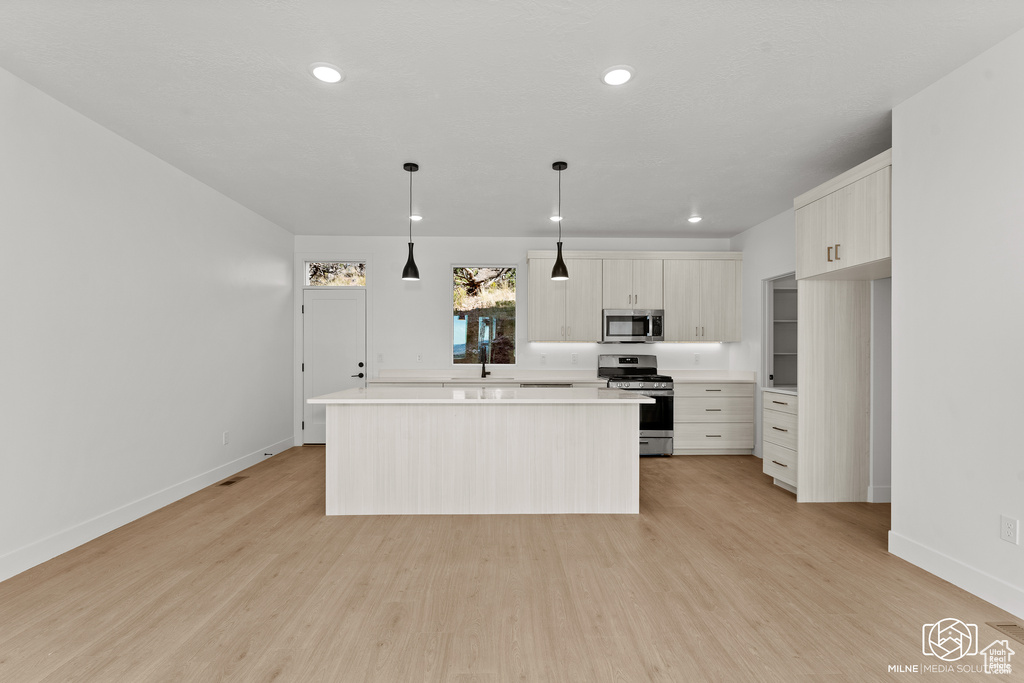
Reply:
x=722, y=577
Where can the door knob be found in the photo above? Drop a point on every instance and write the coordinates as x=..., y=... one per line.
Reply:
x=359, y=375
x=360, y=363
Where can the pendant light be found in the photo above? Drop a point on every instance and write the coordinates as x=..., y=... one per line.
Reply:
x=559, y=272
x=410, y=272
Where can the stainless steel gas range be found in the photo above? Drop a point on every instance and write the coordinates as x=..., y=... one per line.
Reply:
x=640, y=373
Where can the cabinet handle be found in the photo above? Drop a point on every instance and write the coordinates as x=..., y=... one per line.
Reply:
x=830, y=254
x=561, y=331
x=780, y=429
x=568, y=332
x=712, y=390
x=696, y=331
x=712, y=410
x=713, y=436
x=837, y=252
x=781, y=403
x=702, y=330
x=779, y=463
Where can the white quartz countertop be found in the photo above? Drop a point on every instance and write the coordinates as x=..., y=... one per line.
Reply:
x=553, y=377
x=459, y=395
x=782, y=390
x=697, y=376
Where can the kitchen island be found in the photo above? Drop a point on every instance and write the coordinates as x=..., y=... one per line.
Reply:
x=480, y=450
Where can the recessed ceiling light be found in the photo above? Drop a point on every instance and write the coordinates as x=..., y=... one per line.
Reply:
x=327, y=73
x=416, y=217
x=556, y=218
x=694, y=219
x=617, y=75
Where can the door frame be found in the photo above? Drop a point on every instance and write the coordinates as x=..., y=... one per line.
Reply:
x=298, y=289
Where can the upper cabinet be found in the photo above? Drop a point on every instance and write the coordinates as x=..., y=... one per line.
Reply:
x=633, y=283
x=843, y=227
x=699, y=292
x=565, y=310
x=702, y=300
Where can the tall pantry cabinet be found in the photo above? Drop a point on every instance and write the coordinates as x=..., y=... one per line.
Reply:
x=843, y=233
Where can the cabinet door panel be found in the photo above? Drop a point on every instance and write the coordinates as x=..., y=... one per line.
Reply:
x=648, y=284
x=863, y=223
x=815, y=226
x=583, y=300
x=546, y=317
x=720, y=301
x=682, y=300
x=617, y=283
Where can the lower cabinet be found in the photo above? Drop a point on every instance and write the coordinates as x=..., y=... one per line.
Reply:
x=779, y=437
x=713, y=418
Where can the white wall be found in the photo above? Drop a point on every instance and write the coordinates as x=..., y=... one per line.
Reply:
x=957, y=325
x=769, y=250
x=143, y=315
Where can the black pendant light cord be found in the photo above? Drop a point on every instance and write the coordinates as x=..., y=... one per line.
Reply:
x=410, y=206
x=559, y=205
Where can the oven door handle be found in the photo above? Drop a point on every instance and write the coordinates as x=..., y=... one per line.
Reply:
x=652, y=392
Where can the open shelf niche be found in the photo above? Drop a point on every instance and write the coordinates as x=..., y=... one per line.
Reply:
x=782, y=312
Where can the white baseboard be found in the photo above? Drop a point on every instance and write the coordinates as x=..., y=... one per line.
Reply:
x=974, y=581
x=40, y=551
x=879, y=494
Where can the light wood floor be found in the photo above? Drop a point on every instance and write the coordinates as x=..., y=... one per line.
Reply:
x=722, y=577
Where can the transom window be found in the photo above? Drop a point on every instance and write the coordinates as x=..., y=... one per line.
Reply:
x=335, y=274
x=484, y=315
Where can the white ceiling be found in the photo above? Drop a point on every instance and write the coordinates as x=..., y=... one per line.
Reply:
x=737, y=105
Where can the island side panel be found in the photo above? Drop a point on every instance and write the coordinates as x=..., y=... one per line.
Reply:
x=482, y=458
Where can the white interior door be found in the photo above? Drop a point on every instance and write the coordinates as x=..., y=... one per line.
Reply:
x=333, y=351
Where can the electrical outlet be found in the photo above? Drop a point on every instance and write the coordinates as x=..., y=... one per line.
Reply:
x=419, y=357
x=1008, y=529
x=380, y=357
x=225, y=437
x=574, y=358
x=696, y=359
x=543, y=359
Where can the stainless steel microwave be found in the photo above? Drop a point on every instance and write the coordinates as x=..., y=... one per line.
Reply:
x=632, y=325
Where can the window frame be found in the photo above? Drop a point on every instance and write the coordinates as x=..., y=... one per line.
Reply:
x=305, y=273
x=451, y=296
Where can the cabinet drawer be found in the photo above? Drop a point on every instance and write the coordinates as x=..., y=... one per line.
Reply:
x=779, y=428
x=739, y=435
x=713, y=389
x=779, y=462
x=784, y=403
x=725, y=409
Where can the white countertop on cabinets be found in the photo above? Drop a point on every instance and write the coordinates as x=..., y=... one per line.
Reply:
x=781, y=390
x=698, y=376
x=471, y=376
x=577, y=377
x=482, y=395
